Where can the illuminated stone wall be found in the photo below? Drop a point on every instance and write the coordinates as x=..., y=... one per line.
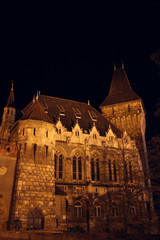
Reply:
x=34, y=177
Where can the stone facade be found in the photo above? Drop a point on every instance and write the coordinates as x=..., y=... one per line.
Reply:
x=77, y=168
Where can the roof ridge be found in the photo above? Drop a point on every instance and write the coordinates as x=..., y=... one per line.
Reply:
x=65, y=99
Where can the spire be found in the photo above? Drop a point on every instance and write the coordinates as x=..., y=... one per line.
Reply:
x=10, y=101
x=120, y=90
x=114, y=67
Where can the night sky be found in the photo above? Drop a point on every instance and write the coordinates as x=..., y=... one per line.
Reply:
x=68, y=51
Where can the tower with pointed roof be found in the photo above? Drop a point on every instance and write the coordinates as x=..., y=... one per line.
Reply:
x=125, y=109
x=8, y=117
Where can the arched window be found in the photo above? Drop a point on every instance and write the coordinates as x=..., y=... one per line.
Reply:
x=35, y=219
x=97, y=209
x=74, y=168
x=58, y=166
x=92, y=170
x=110, y=170
x=115, y=171
x=115, y=210
x=95, y=168
x=78, y=209
x=77, y=133
x=77, y=167
x=132, y=210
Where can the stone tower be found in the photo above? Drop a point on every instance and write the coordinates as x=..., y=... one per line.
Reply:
x=34, y=187
x=124, y=108
x=8, y=117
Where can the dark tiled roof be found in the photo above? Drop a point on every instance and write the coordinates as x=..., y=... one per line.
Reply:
x=50, y=109
x=120, y=90
x=10, y=101
x=69, y=111
x=35, y=111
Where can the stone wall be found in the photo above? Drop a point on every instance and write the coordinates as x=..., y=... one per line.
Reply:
x=34, y=178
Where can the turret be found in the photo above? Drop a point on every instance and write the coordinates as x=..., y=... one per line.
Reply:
x=8, y=117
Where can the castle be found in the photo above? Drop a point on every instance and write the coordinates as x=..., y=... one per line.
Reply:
x=64, y=165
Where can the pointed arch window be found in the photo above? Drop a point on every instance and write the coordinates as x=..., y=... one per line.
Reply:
x=92, y=170
x=95, y=169
x=77, y=133
x=110, y=170
x=58, y=166
x=115, y=171
x=77, y=167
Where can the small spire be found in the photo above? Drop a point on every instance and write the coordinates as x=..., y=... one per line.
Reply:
x=114, y=67
x=122, y=65
x=33, y=98
x=88, y=102
x=12, y=85
x=37, y=95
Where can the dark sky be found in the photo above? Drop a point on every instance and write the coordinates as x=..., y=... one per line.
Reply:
x=68, y=51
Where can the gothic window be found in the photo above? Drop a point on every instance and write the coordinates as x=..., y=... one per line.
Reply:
x=97, y=210
x=77, y=167
x=59, y=130
x=115, y=171
x=78, y=209
x=115, y=210
x=74, y=167
x=132, y=211
x=55, y=165
x=130, y=172
x=94, y=135
x=95, y=169
x=92, y=170
x=77, y=133
x=58, y=166
x=110, y=170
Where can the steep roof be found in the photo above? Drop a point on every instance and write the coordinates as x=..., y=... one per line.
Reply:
x=120, y=90
x=35, y=111
x=69, y=112
x=10, y=100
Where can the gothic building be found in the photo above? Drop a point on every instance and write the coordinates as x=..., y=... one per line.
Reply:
x=65, y=165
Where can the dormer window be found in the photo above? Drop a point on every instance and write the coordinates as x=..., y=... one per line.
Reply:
x=77, y=133
x=59, y=131
x=94, y=135
x=61, y=110
x=77, y=113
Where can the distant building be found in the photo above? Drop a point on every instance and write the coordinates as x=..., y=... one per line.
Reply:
x=65, y=165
